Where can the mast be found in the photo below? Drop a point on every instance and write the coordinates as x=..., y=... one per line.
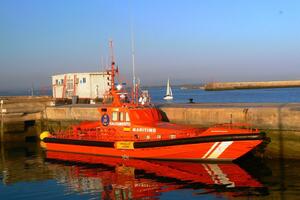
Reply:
x=112, y=66
x=113, y=91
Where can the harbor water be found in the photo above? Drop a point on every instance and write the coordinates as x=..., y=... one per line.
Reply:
x=27, y=172
x=274, y=95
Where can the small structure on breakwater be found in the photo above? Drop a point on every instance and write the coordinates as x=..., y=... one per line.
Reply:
x=250, y=85
x=85, y=86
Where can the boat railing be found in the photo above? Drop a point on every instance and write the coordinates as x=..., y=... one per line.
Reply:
x=111, y=134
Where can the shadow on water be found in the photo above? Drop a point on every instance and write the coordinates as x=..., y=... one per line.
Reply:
x=281, y=153
x=140, y=178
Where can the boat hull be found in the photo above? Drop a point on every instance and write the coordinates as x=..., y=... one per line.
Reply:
x=220, y=150
x=168, y=97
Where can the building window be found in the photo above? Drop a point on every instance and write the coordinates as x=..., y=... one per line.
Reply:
x=56, y=82
x=115, y=116
x=62, y=81
x=70, y=84
x=83, y=80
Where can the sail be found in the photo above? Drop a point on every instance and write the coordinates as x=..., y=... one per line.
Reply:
x=169, y=90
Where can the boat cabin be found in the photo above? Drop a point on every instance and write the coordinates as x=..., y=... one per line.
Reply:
x=128, y=116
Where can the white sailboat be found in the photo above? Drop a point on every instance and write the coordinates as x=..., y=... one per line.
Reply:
x=169, y=94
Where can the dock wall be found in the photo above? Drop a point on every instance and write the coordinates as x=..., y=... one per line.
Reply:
x=261, y=115
x=264, y=115
x=23, y=115
x=250, y=85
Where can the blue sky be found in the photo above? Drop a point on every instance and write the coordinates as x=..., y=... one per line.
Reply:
x=189, y=41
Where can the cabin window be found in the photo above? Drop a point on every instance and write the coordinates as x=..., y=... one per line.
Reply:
x=83, y=80
x=115, y=116
x=121, y=116
x=127, y=119
x=158, y=136
x=172, y=136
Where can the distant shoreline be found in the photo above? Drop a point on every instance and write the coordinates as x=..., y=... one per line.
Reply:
x=219, y=86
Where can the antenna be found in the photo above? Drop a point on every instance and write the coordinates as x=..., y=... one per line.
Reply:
x=112, y=65
x=102, y=64
x=133, y=63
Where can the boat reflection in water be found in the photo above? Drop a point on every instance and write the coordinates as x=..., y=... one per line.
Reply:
x=117, y=178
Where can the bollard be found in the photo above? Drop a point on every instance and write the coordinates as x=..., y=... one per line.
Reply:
x=191, y=100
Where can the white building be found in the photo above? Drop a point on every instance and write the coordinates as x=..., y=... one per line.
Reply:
x=84, y=85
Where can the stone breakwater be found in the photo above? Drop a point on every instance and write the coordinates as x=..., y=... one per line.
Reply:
x=250, y=85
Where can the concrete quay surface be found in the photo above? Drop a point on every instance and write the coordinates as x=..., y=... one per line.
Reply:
x=250, y=85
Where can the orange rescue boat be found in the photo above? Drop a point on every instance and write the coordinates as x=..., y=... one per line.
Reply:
x=133, y=128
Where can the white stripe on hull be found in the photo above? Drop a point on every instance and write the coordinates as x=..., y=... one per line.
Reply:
x=217, y=149
x=211, y=149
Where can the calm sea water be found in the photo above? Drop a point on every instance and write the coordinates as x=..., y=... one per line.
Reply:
x=274, y=95
x=27, y=172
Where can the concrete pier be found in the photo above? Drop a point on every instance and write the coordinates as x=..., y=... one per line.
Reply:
x=22, y=115
x=250, y=85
